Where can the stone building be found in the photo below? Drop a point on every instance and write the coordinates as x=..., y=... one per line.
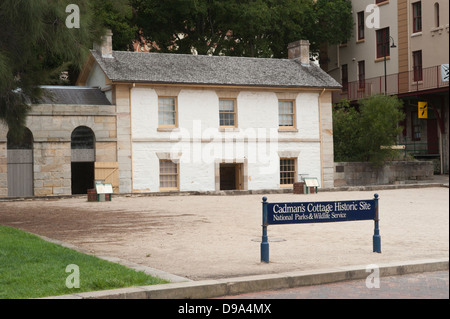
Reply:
x=153, y=122
x=65, y=136
x=210, y=123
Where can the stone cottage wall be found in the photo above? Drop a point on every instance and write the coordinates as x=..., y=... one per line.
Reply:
x=52, y=126
x=360, y=174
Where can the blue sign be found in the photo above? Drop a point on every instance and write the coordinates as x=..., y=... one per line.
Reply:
x=320, y=212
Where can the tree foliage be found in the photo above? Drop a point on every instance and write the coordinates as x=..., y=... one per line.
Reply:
x=256, y=28
x=35, y=45
x=117, y=15
x=365, y=135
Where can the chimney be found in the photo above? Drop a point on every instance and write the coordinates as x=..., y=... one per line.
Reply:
x=299, y=50
x=105, y=49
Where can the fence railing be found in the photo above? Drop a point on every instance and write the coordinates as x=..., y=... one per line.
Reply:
x=419, y=148
x=404, y=82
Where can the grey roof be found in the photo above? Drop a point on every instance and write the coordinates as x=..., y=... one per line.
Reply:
x=212, y=70
x=73, y=95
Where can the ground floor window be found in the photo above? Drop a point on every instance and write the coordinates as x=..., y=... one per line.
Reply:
x=168, y=175
x=288, y=171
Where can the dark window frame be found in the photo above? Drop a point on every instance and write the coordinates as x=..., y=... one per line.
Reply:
x=382, y=38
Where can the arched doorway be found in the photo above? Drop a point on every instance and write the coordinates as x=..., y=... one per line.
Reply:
x=20, y=165
x=83, y=159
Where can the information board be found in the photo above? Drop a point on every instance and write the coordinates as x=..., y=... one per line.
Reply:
x=320, y=212
x=104, y=188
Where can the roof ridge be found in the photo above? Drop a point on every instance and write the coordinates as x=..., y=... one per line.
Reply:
x=200, y=55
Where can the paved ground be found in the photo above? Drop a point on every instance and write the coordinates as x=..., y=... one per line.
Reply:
x=212, y=237
x=429, y=285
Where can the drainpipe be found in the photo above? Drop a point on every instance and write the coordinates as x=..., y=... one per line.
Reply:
x=321, y=138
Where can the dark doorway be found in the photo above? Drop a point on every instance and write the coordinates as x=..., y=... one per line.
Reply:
x=230, y=176
x=83, y=159
x=82, y=177
x=432, y=137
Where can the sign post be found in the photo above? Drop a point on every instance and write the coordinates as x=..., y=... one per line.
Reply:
x=264, y=241
x=376, y=232
x=319, y=212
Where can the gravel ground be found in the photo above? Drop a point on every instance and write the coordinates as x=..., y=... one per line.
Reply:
x=210, y=237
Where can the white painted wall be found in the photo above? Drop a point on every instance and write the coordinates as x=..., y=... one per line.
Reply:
x=203, y=143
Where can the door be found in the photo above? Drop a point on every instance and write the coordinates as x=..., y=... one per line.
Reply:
x=108, y=172
x=231, y=176
x=432, y=137
x=20, y=165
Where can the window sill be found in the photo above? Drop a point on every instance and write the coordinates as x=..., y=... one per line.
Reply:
x=382, y=3
x=287, y=130
x=437, y=30
x=382, y=59
x=416, y=34
x=228, y=129
x=168, y=189
x=168, y=129
x=360, y=41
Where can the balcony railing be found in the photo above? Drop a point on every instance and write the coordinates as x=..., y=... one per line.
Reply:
x=399, y=83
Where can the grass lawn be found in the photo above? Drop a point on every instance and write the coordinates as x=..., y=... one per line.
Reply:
x=31, y=268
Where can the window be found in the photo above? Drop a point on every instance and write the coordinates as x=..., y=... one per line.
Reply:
x=436, y=15
x=286, y=113
x=167, y=112
x=417, y=65
x=417, y=16
x=344, y=76
x=82, y=138
x=383, y=43
x=288, y=171
x=361, y=25
x=227, y=113
x=362, y=74
x=168, y=175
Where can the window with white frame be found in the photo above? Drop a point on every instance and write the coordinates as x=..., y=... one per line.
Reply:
x=286, y=113
x=167, y=112
x=227, y=113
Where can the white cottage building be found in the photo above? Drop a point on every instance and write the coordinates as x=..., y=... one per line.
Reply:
x=210, y=123
x=153, y=122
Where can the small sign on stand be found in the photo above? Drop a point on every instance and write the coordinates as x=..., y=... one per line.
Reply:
x=104, y=191
x=311, y=185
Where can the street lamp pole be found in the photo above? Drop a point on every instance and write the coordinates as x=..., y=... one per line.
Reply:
x=386, y=43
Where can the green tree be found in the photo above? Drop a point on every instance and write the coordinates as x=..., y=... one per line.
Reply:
x=366, y=135
x=117, y=16
x=35, y=45
x=256, y=28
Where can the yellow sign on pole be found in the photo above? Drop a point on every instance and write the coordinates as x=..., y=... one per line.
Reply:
x=423, y=110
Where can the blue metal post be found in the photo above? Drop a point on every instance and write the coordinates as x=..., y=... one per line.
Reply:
x=376, y=233
x=264, y=242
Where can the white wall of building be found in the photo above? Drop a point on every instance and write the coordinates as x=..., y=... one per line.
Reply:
x=256, y=140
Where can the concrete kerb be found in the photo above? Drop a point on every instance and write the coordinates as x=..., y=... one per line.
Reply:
x=240, y=285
